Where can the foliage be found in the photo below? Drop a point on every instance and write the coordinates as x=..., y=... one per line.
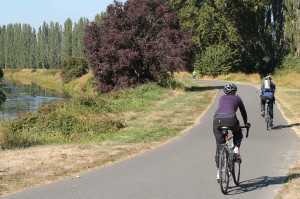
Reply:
x=2, y=94
x=139, y=42
x=1, y=73
x=72, y=68
x=216, y=60
x=290, y=65
x=254, y=28
x=291, y=33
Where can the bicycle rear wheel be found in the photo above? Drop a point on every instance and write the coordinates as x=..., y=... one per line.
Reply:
x=224, y=170
x=236, y=172
x=267, y=117
x=267, y=122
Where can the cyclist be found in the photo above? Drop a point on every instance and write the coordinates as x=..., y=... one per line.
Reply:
x=267, y=93
x=225, y=115
x=194, y=75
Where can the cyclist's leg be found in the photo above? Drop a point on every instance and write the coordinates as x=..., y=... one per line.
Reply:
x=237, y=140
x=262, y=105
x=217, y=123
x=271, y=108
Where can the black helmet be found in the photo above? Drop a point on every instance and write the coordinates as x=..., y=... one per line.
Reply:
x=268, y=78
x=230, y=88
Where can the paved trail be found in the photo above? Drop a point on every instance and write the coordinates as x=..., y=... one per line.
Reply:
x=185, y=168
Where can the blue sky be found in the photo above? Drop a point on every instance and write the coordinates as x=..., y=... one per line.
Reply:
x=35, y=12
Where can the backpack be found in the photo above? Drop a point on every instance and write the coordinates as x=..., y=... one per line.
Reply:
x=267, y=85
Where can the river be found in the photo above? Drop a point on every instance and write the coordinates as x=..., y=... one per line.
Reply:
x=24, y=98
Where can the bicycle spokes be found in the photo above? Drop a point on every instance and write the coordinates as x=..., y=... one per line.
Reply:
x=224, y=170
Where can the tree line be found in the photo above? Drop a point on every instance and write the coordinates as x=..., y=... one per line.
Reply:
x=212, y=36
x=21, y=46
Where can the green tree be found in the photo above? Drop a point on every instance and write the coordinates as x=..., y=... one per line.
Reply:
x=77, y=37
x=2, y=46
x=254, y=28
x=67, y=39
x=55, y=43
x=217, y=60
x=43, y=47
x=292, y=26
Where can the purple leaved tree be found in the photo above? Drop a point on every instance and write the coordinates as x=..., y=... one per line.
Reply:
x=137, y=42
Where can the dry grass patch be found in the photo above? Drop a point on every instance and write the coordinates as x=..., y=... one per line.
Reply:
x=21, y=169
x=291, y=188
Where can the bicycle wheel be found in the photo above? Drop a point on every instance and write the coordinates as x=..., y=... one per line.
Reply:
x=267, y=117
x=224, y=170
x=236, y=172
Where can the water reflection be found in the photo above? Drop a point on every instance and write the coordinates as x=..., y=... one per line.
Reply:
x=24, y=98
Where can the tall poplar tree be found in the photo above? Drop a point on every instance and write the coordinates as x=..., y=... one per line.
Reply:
x=55, y=42
x=2, y=47
x=43, y=47
x=77, y=37
x=292, y=26
x=67, y=39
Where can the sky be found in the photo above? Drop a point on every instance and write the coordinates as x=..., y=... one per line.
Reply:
x=35, y=12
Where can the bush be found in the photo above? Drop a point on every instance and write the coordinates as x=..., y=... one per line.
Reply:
x=290, y=65
x=216, y=60
x=72, y=68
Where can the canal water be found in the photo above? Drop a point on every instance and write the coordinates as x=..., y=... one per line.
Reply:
x=24, y=98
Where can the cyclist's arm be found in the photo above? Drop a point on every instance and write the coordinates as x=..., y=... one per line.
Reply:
x=243, y=111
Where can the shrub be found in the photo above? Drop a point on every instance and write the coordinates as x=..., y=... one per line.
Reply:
x=216, y=60
x=72, y=68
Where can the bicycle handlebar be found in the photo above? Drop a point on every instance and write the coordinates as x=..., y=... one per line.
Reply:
x=246, y=126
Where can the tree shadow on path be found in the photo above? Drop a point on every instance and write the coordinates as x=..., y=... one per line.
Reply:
x=202, y=88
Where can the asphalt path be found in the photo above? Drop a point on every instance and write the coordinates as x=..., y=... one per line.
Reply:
x=184, y=168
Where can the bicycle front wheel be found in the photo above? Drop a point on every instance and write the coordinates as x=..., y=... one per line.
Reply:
x=236, y=172
x=224, y=170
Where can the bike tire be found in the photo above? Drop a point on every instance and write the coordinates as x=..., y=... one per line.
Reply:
x=267, y=116
x=236, y=172
x=224, y=170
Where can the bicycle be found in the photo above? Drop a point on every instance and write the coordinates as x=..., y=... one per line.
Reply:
x=228, y=167
x=267, y=115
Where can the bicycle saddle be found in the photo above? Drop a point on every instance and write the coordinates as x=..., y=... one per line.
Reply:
x=224, y=128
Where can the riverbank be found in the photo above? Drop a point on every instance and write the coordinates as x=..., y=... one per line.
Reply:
x=50, y=79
